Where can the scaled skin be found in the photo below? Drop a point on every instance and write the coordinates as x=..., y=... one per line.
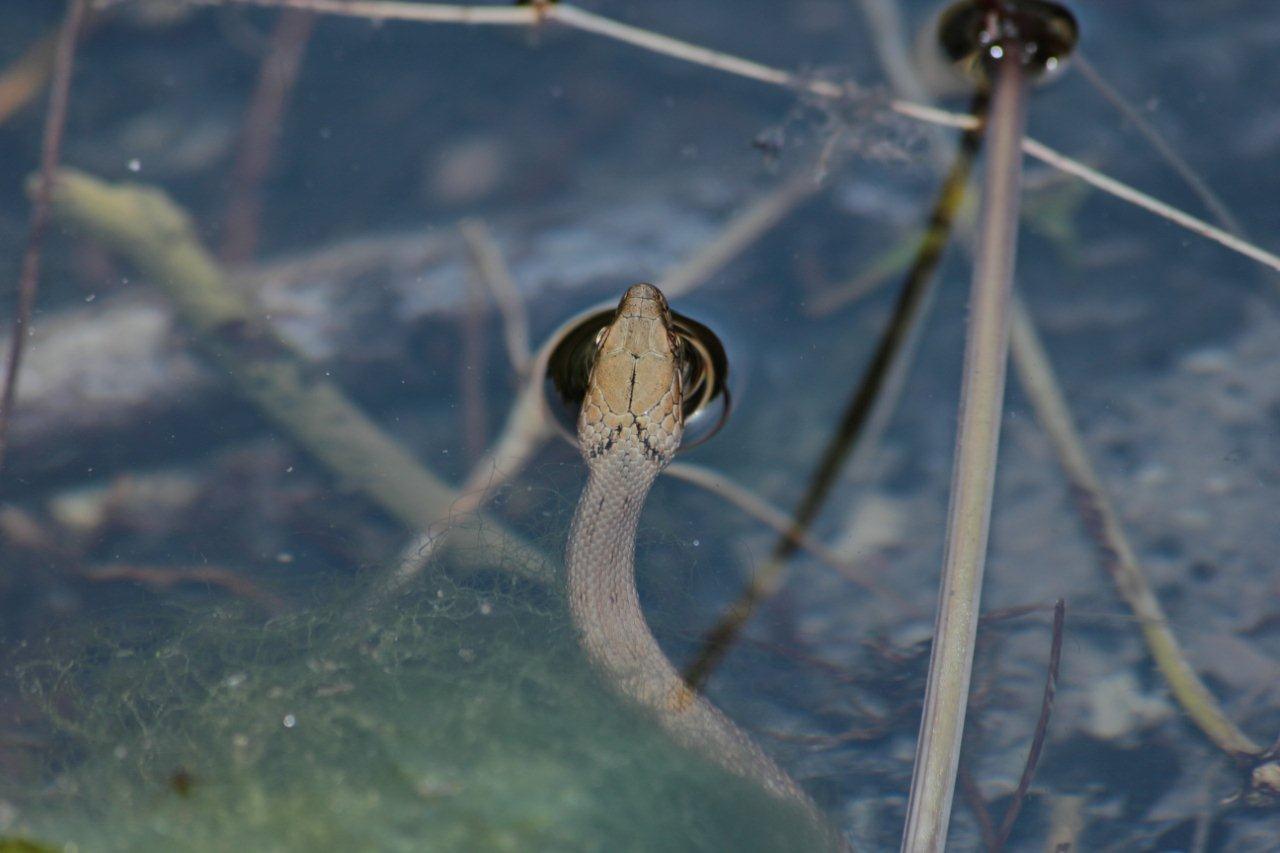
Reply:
x=629, y=429
x=635, y=383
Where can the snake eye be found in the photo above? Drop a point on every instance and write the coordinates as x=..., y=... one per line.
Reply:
x=704, y=379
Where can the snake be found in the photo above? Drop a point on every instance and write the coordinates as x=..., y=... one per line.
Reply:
x=629, y=428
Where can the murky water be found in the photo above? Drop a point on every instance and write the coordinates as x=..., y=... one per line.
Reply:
x=194, y=655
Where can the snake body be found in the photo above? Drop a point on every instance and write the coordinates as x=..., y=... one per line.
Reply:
x=629, y=428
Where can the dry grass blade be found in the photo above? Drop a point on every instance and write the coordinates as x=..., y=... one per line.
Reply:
x=50, y=150
x=1157, y=142
x=426, y=13
x=1114, y=550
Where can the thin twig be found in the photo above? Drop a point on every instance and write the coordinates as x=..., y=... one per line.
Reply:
x=276, y=78
x=973, y=472
x=471, y=370
x=50, y=150
x=1041, y=730
x=388, y=10
x=487, y=259
x=1116, y=554
x=657, y=43
x=1127, y=193
x=1203, y=191
x=739, y=234
x=26, y=76
x=1106, y=184
x=777, y=520
x=165, y=577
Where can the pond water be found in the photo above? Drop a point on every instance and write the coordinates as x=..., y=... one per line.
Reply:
x=201, y=646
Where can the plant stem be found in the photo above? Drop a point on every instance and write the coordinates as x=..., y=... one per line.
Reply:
x=55, y=120
x=973, y=472
x=144, y=226
x=1102, y=525
x=865, y=416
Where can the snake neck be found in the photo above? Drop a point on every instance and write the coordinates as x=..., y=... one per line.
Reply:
x=601, y=576
x=606, y=611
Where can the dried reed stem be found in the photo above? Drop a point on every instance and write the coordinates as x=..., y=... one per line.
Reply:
x=973, y=473
x=572, y=16
x=1117, y=555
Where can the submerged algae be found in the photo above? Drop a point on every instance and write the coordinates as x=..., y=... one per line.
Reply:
x=457, y=719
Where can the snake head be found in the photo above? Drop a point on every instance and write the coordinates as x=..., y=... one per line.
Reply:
x=633, y=404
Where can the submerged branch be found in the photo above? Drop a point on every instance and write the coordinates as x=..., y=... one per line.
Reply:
x=146, y=227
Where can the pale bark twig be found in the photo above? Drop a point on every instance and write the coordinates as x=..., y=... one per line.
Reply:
x=487, y=259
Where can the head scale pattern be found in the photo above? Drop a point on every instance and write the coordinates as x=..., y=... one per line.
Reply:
x=634, y=401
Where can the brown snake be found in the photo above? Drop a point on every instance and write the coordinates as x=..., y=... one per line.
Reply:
x=629, y=428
